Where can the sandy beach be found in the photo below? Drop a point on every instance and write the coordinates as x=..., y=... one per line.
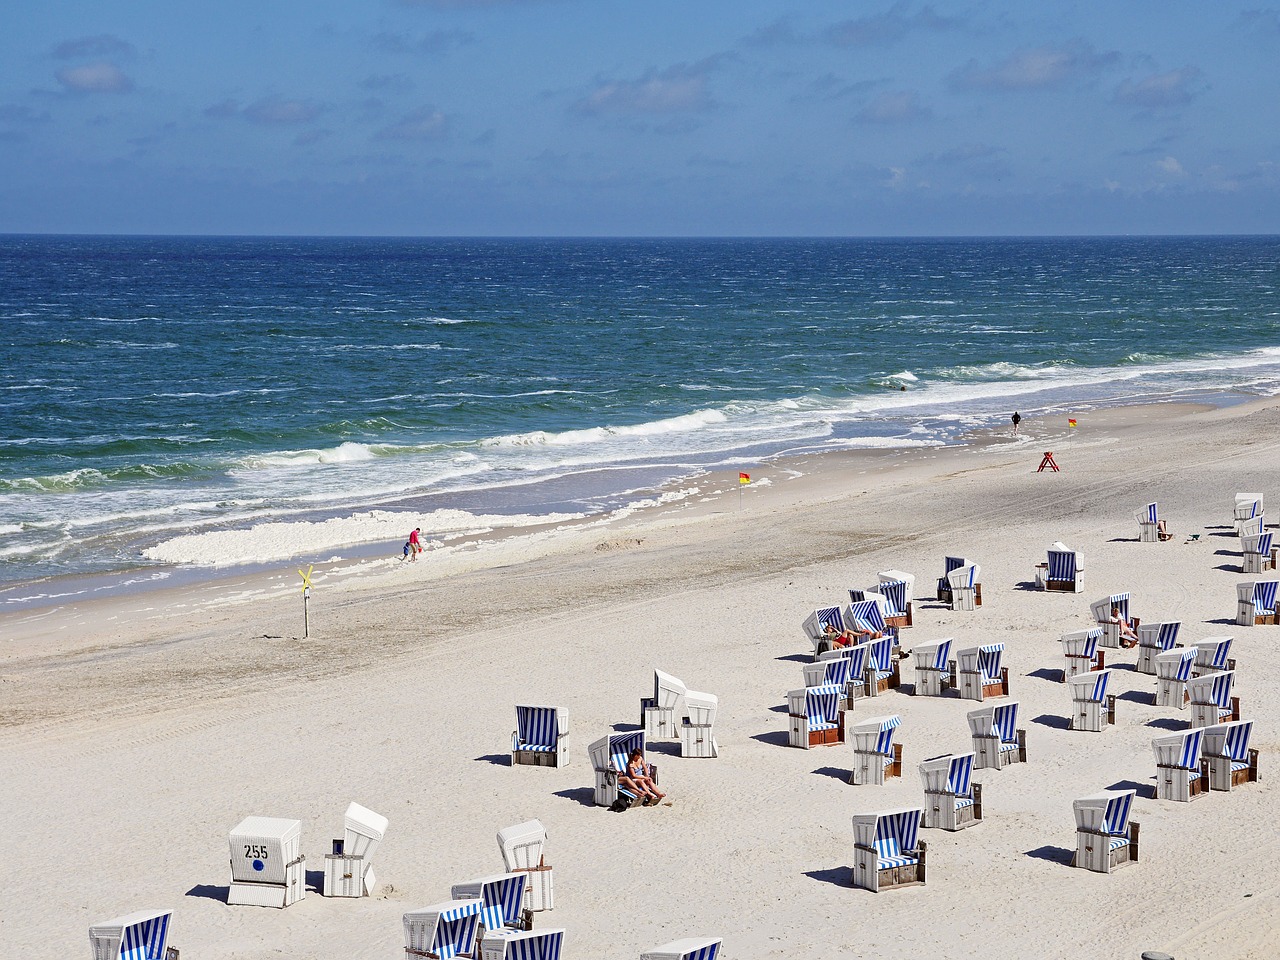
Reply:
x=136, y=731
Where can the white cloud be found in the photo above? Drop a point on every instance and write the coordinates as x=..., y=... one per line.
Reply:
x=275, y=112
x=1171, y=166
x=102, y=77
x=1160, y=90
x=894, y=106
x=425, y=123
x=1036, y=67
x=678, y=89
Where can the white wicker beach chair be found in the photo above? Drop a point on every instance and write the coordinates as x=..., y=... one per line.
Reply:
x=898, y=589
x=997, y=741
x=1211, y=698
x=875, y=756
x=1080, y=650
x=660, y=714
x=502, y=901
x=1213, y=654
x=688, y=948
x=1101, y=610
x=1092, y=708
x=138, y=936
x=980, y=673
x=1173, y=670
x=1248, y=514
x=858, y=659
x=522, y=846
x=887, y=849
x=541, y=736
x=966, y=590
x=1256, y=602
x=816, y=716
x=609, y=759
x=1256, y=553
x=522, y=945
x=1232, y=763
x=1149, y=524
x=933, y=668
x=1154, y=638
x=815, y=625
x=1181, y=773
x=442, y=931
x=348, y=871
x=697, y=725
x=1105, y=836
x=1063, y=571
x=944, y=583
x=267, y=865
x=952, y=800
x=884, y=669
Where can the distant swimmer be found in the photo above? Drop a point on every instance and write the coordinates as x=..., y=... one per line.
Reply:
x=1017, y=419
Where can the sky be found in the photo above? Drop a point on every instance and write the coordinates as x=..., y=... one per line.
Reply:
x=654, y=118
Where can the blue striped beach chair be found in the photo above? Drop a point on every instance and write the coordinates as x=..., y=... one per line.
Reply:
x=815, y=625
x=830, y=669
x=1080, y=649
x=1156, y=638
x=875, y=756
x=1213, y=654
x=138, y=936
x=501, y=899
x=1181, y=773
x=1091, y=707
x=1211, y=699
x=522, y=945
x=1232, y=762
x=1149, y=524
x=1063, y=571
x=897, y=589
x=442, y=930
x=816, y=716
x=1105, y=836
x=687, y=948
x=997, y=741
x=869, y=614
x=1256, y=553
x=952, y=800
x=858, y=656
x=1101, y=610
x=660, y=714
x=944, y=583
x=887, y=849
x=1173, y=670
x=966, y=590
x=1249, y=514
x=609, y=759
x=933, y=668
x=1256, y=602
x=541, y=736
x=883, y=667
x=980, y=673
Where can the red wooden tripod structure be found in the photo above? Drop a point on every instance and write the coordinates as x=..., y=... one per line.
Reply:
x=1047, y=461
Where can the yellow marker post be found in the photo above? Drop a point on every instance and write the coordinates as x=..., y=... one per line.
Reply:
x=306, y=596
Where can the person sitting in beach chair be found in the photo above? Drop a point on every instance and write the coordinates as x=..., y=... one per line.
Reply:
x=639, y=780
x=1128, y=636
x=837, y=638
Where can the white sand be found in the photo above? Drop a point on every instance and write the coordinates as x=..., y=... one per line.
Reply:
x=133, y=738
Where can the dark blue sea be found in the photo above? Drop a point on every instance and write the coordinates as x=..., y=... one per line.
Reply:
x=156, y=388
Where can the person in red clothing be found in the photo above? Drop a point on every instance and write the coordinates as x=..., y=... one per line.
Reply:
x=415, y=543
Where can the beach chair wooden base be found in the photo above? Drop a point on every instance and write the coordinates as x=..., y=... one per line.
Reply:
x=346, y=876
x=1225, y=774
x=991, y=756
x=1092, y=716
x=854, y=691
x=698, y=741
x=535, y=758
x=1209, y=714
x=804, y=738
x=878, y=685
x=900, y=621
x=1181, y=784
x=974, y=686
x=1149, y=533
x=659, y=723
x=1256, y=563
x=1247, y=615
x=932, y=683
x=1093, y=850
x=966, y=598
x=941, y=811
x=870, y=769
x=867, y=876
x=1172, y=693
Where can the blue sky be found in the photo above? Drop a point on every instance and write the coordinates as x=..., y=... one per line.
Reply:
x=587, y=117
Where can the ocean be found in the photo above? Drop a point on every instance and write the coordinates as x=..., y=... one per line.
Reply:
x=155, y=389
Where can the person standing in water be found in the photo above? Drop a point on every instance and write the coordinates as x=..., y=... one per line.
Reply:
x=1017, y=419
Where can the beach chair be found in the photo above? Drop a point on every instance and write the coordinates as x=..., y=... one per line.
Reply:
x=884, y=670
x=944, y=583
x=1231, y=761
x=501, y=899
x=1064, y=571
x=1181, y=773
x=897, y=588
x=1256, y=602
x=659, y=714
x=267, y=865
x=1173, y=670
x=138, y=936
x=875, y=756
x=1211, y=699
x=816, y=716
x=1248, y=515
x=1154, y=638
x=442, y=930
x=1249, y=528
x=997, y=741
x=1080, y=650
x=1256, y=554
x=966, y=591
x=867, y=613
x=687, y=948
x=697, y=725
x=522, y=847
x=1213, y=655
x=832, y=668
x=609, y=759
x=979, y=673
x=952, y=800
x=1105, y=836
x=815, y=627
x=857, y=656
x=1101, y=610
x=1149, y=524
x=522, y=945
x=348, y=870
x=1091, y=708
x=887, y=849
x=933, y=670
x=541, y=736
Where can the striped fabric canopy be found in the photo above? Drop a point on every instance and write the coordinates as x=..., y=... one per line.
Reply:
x=1236, y=744
x=830, y=616
x=895, y=591
x=940, y=657
x=1091, y=686
x=867, y=614
x=822, y=705
x=142, y=936
x=1149, y=513
x=989, y=657
x=897, y=833
x=1116, y=819
x=1120, y=600
x=1264, y=544
x=1005, y=721
x=836, y=672
x=1213, y=656
x=857, y=657
x=1216, y=687
x=1170, y=667
x=536, y=728
x=1062, y=565
x=501, y=901
x=446, y=930
x=960, y=776
x=1161, y=636
x=1085, y=646
x=544, y=945
x=1264, y=596
x=884, y=741
x=621, y=745
x=881, y=653
x=951, y=563
x=1179, y=750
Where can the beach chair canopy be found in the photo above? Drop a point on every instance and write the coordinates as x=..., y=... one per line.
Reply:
x=949, y=774
x=933, y=656
x=1161, y=636
x=534, y=944
x=501, y=897
x=667, y=690
x=1106, y=812
x=880, y=656
x=1213, y=652
x=363, y=831
x=1081, y=643
x=1090, y=686
x=611, y=752
x=701, y=708
x=897, y=588
x=875, y=735
x=1179, y=749
x=999, y=721
x=984, y=660
x=445, y=929
x=688, y=948
x=1175, y=664
x=522, y=845
x=538, y=728
x=1063, y=562
x=1258, y=543
x=1148, y=514
x=868, y=615
x=262, y=847
x=821, y=705
x=815, y=625
x=1261, y=593
x=137, y=936
x=1212, y=688
x=1102, y=608
x=892, y=834
x=1229, y=740
x=953, y=563
x=828, y=672
x=964, y=577
x=1248, y=505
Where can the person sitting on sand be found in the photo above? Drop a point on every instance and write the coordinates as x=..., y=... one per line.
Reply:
x=639, y=780
x=1162, y=531
x=1128, y=638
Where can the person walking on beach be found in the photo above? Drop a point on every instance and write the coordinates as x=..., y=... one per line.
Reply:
x=415, y=543
x=1017, y=419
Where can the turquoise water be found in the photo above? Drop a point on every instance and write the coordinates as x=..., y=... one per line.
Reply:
x=153, y=386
